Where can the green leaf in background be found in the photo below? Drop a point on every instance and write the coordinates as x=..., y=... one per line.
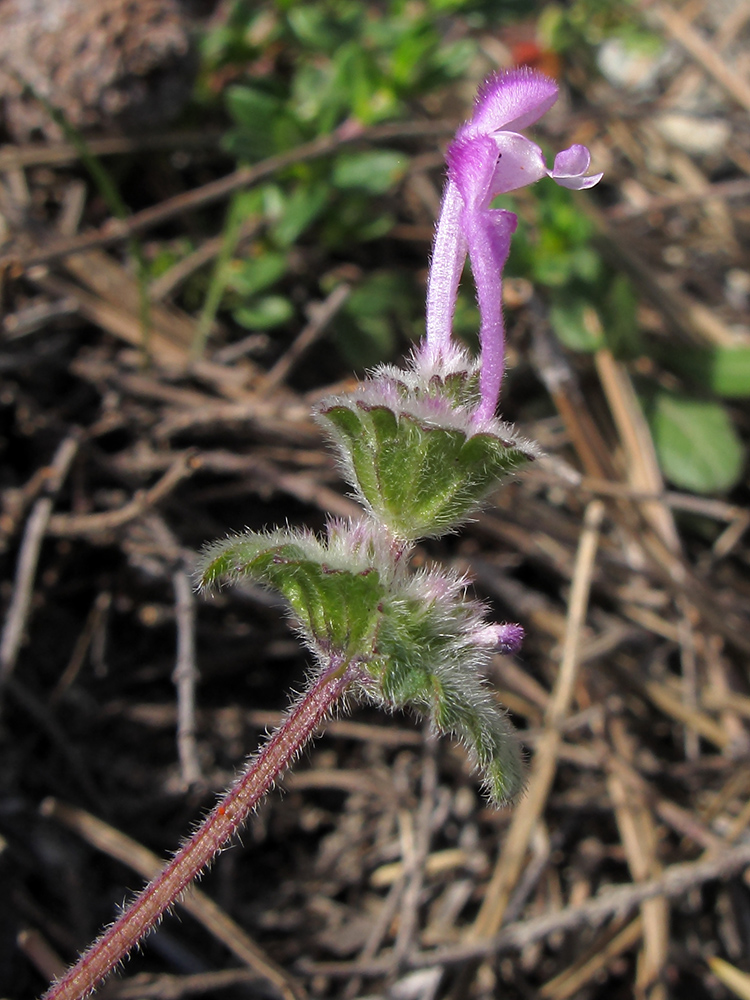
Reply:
x=300, y=210
x=352, y=220
x=376, y=171
x=357, y=76
x=455, y=60
x=585, y=263
x=576, y=324
x=552, y=245
x=696, y=442
x=253, y=108
x=723, y=370
x=466, y=319
x=313, y=27
x=411, y=52
x=264, y=314
x=365, y=329
x=248, y=277
x=579, y=25
x=264, y=126
x=315, y=98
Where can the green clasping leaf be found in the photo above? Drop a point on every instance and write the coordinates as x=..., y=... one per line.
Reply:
x=337, y=607
x=418, y=478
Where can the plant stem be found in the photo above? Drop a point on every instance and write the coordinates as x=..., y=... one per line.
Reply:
x=214, y=832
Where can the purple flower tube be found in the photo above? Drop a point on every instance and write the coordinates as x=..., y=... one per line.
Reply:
x=489, y=157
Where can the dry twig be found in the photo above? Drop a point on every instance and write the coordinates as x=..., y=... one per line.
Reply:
x=16, y=618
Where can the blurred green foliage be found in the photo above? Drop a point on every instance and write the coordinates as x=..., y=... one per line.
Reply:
x=582, y=25
x=724, y=371
x=696, y=441
x=289, y=72
x=385, y=303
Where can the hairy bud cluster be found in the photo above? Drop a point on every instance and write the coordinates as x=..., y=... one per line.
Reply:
x=416, y=639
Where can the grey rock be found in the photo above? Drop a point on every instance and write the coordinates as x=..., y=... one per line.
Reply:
x=105, y=64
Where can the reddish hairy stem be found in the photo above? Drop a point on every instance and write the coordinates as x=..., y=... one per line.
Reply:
x=215, y=830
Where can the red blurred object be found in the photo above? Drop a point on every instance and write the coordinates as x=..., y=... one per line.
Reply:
x=530, y=53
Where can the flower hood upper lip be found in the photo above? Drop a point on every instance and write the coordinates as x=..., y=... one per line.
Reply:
x=509, y=101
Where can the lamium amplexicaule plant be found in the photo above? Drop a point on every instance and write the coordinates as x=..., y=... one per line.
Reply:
x=422, y=447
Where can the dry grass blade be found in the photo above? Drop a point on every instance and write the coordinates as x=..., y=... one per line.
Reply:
x=185, y=677
x=698, y=721
x=640, y=838
x=111, y=317
x=40, y=953
x=166, y=987
x=531, y=807
x=16, y=618
x=611, y=902
x=733, y=978
x=117, y=231
x=596, y=959
x=71, y=525
x=321, y=314
x=642, y=463
x=14, y=157
x=679, y=28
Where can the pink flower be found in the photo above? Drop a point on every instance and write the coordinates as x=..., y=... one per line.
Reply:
x=489, y=157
